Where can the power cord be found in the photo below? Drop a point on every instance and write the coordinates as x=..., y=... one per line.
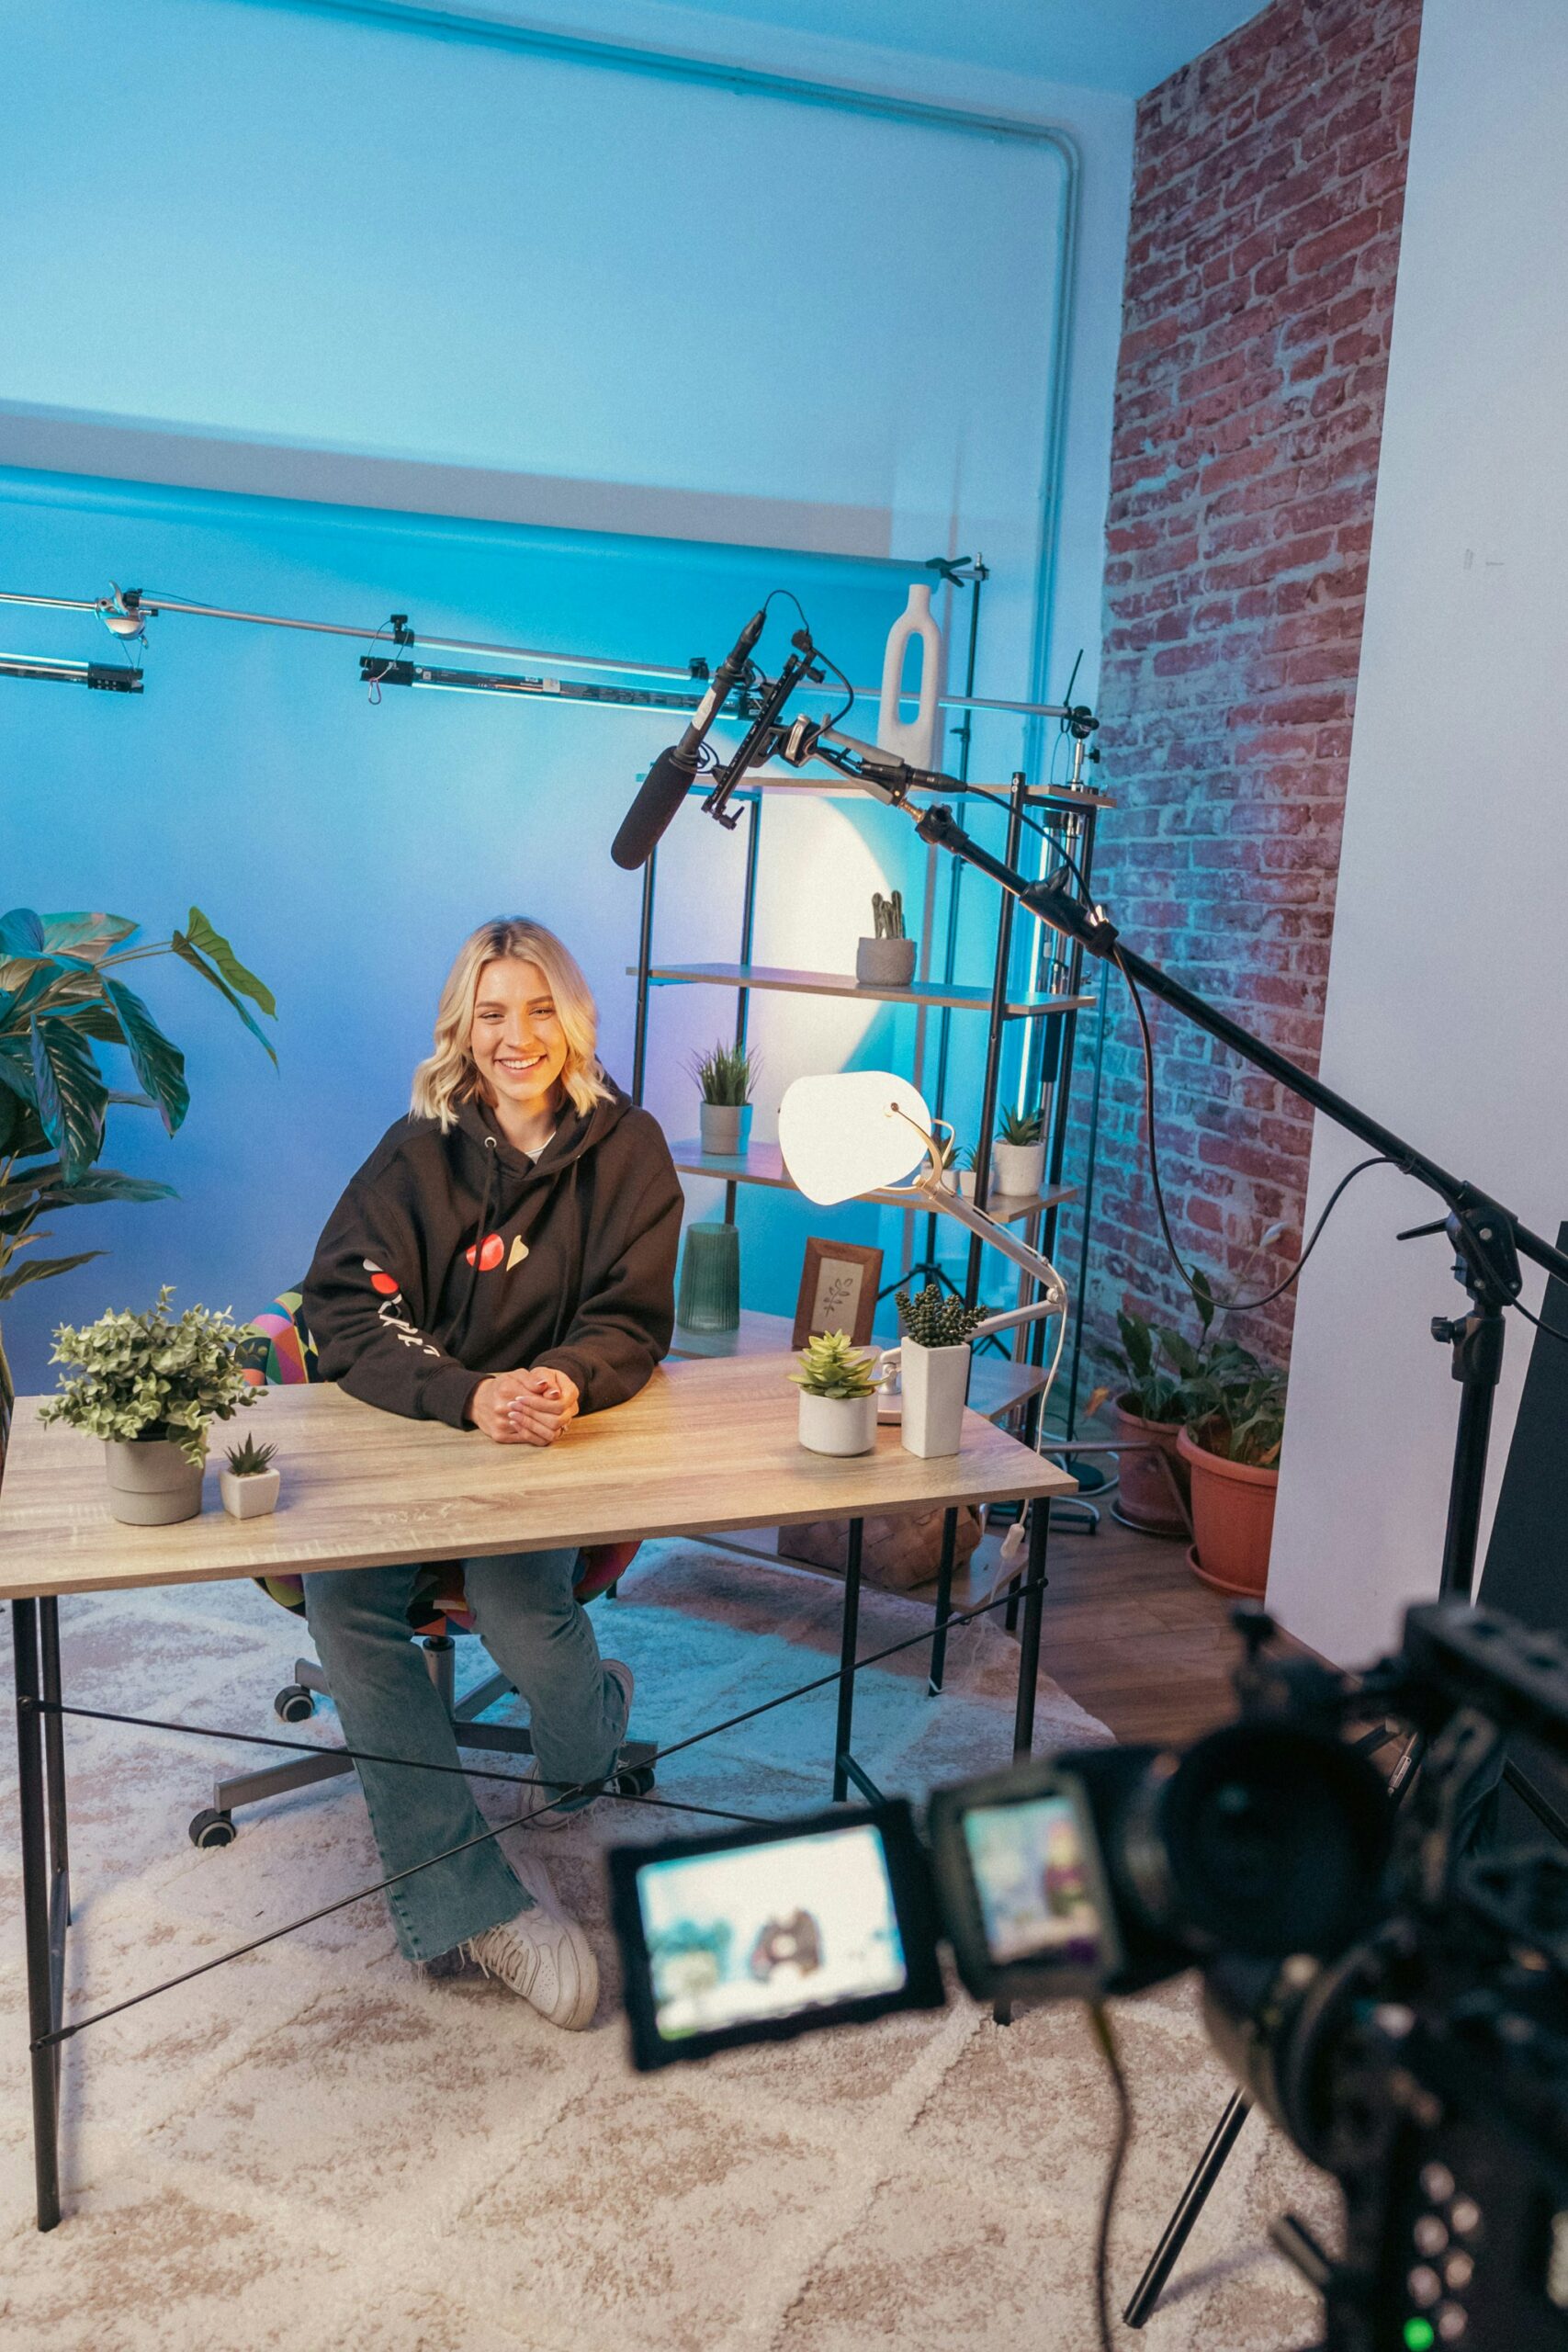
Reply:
x=1104, y=2035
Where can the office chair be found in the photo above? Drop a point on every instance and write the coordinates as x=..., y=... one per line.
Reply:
x=278, y=1351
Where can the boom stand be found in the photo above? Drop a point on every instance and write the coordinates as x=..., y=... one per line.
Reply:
x=1488, y=1241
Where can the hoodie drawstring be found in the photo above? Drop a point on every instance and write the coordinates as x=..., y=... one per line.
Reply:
x=492, y=1170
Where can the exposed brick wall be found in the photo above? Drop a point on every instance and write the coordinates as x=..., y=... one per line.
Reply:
x=1269, y=182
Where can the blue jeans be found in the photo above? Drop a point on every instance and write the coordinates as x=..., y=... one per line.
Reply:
x=540, y=1638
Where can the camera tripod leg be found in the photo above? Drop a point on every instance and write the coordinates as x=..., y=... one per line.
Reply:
x=1193, y=2199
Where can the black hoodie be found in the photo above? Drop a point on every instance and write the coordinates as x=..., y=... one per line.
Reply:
x=453, y=1256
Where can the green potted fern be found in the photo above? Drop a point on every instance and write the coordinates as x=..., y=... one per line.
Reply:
x=248, y=1483
x=837, y=1384
x=933, y=1369
x=148, y=1385
x=726, y=1076
x=1018, y=1155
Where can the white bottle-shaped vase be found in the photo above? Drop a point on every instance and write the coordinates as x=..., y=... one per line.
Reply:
x=911, y=739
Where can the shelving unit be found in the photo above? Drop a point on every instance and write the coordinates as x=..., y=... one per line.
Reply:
x=1049, y=1009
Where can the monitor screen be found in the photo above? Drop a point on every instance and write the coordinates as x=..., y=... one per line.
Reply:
x=1034, y=1883
x=768, y=1930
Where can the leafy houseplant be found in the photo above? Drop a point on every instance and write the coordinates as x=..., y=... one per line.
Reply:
x=837, y=1384
x=725, y=1076
x=62, y=994
x=149, y=1384
x=1153, y=1365
x=887, y=960
x=1233, y=1422
x=933, y=1360
x=1019, y=1154
x=249, y=1484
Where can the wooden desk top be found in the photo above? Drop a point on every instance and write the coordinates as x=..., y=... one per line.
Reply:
x=708, y=1445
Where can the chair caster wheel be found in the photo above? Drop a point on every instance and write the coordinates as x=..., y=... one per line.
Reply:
x=211, y=1828
x=293, y=1703
x=635, y=1783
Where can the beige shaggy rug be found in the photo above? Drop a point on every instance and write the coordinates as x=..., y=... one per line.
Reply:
x=319, y=2146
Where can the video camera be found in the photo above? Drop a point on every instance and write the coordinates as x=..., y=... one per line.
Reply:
x=1389, y=1983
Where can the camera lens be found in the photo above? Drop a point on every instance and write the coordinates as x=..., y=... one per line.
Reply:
x=1265, y=1840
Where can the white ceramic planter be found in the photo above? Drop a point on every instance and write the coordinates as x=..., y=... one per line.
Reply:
x=251, y=1496
x=151, y=1483
x=725, y=1127
x=935, y=1381
x=966, y=1184
x=837, y=1424
x=885, y=963
x=1019, y=1169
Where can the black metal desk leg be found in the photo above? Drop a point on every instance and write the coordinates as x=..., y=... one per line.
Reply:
x=1029, y=1644
x=54, y=1783
x=944, y=1600
x=847, y=1662
x=41, y=2013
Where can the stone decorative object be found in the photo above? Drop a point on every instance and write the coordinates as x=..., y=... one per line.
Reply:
x=710, y=1279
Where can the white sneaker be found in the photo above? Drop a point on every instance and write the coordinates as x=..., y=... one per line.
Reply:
x=542, y=1955
x=541, y=1806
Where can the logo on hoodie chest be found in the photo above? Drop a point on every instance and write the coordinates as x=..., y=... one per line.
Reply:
x=494, y=1248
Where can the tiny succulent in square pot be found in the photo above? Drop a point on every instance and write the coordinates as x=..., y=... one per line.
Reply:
x=933, y=1360
x=837, y=1384
x=248, y=1483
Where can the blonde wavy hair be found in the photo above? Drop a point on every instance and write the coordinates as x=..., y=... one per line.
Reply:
x=449, y=1076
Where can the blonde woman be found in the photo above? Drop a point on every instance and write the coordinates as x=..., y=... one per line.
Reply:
x=504, y=1261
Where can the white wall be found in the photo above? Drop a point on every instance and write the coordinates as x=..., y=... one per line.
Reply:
x=1448, y=1004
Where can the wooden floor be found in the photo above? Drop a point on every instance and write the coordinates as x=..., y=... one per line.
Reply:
x=1129, y=1632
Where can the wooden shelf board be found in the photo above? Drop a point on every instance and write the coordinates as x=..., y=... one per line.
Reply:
x=762, y=1163
x=771, y=976
x=997, y=1385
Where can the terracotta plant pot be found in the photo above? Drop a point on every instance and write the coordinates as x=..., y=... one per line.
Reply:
x=1144, y=1496
x=1233, y=1520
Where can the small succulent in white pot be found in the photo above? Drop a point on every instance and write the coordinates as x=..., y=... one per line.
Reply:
x=248, y=1484
x=837, y=1384
x=933, y=1369
x=150, y=1386
x=1018, y=1156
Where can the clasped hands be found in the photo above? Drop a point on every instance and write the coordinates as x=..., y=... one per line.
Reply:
x=525, y=1408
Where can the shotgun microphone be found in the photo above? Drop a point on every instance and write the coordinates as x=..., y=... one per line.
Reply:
x=665, y=786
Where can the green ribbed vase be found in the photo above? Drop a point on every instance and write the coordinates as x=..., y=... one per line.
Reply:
x=710, y=1279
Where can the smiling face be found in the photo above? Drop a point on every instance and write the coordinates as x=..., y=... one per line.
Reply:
x=517, y=1042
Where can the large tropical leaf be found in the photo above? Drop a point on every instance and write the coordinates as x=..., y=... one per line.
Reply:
x=88, y=934
x=159, y=1063
x=212, y=942
x=17, y=1075
x=192, y=955
x=38, y=1269
x=22, y=932
x=47, y=1184
x=70, y=1095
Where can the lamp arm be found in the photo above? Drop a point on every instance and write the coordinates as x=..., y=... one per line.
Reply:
x=934, y=1196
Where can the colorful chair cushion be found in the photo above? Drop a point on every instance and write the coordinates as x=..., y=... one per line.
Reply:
x=277, y=1352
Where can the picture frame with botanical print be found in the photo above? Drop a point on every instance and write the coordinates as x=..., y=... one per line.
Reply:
x=838, y=1290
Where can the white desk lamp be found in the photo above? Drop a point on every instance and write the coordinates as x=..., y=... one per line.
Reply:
x=864, y=1131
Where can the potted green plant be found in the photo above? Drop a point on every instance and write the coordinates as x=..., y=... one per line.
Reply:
x=933, y=1369
x=1234, y=1425
x=959, y=1166
x=837, y=1384
x=1153, y=1365
x=726, y=1076
x=148, y=1385
x=887, y=960
x=1018, y=1155
x=61, y=991
x=248, y=1483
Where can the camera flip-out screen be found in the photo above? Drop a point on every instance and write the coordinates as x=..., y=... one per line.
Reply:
x=1024, y=1898
x=770, y=1933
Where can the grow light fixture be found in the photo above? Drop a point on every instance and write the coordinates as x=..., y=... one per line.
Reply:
x=104, y=677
